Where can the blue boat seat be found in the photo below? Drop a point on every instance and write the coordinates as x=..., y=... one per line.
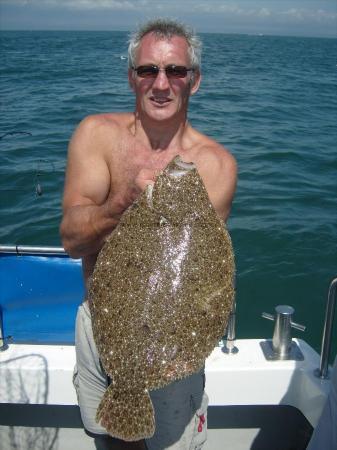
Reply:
x=39, y=296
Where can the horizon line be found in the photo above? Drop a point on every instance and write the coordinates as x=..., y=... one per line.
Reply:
x=265, y=34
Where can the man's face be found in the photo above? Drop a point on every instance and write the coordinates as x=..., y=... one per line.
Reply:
x=163, y=98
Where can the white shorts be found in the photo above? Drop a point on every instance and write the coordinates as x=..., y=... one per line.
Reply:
x=180, y=407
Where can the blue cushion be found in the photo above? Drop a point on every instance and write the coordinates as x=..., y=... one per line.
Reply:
x=39, y=296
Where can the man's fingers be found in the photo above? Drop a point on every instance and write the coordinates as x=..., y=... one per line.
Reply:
x=146, y=177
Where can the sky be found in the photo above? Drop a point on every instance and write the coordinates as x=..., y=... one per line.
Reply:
x=279, y=17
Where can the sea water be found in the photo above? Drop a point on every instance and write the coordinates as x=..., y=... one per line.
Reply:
x=270, y=100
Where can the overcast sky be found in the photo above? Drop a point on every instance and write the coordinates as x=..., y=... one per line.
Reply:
x=281, y=17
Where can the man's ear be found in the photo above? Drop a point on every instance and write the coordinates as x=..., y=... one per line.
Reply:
x=195, y=82
x=131, y=78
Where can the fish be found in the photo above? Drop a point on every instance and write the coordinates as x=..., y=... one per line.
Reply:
x=160, y=296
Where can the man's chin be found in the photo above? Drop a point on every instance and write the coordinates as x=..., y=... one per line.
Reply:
x=161, y=114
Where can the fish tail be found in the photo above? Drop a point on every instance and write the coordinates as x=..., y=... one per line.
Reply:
x=126, y=415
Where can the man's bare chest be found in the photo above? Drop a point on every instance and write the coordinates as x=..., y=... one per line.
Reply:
x=126, y=162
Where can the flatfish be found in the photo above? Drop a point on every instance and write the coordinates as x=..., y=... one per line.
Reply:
x=160, y=296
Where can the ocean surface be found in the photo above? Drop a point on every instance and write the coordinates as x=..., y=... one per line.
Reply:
x=271, y=100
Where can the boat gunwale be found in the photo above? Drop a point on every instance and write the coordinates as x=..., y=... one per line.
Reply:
x=32, y=250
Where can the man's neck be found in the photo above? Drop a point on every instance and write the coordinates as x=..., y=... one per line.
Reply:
x=160, y=136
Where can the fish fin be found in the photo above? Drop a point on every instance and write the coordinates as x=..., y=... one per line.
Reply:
x=178, y=167
x=149, y=190
x=126, y=415
x=183, y=164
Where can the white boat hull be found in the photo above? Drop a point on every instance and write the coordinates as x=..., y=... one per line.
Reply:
x=38, y=404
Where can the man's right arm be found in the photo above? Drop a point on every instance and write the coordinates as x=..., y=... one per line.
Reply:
x=90, y=212
x=91, y=207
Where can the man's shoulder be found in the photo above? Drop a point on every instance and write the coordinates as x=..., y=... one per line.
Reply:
x=105, y=122
x=98, y=133
x=205, y=151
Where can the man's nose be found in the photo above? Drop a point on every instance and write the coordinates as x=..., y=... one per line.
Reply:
x=161, y=81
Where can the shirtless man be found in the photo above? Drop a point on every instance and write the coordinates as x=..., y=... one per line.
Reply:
x=112, y=157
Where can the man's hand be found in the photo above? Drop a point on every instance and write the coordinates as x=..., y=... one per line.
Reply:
x=118, y=202
x=146, y=177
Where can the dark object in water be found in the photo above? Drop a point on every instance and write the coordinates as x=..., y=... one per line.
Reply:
x=160, y=296
x=13, y=133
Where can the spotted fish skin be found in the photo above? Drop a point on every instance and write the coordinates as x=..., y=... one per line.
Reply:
x=160, y=296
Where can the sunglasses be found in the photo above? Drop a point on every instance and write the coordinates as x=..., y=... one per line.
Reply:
x=171, y=71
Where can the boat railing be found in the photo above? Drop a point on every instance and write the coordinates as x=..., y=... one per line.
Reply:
x=31, y=250
x=323, y=371
x=229, y=346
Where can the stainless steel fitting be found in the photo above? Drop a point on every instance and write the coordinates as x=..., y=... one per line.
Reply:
x=282, y=344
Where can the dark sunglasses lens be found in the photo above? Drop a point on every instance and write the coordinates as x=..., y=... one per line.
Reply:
x=171, y=71
x=147, y=71
x=176, y=71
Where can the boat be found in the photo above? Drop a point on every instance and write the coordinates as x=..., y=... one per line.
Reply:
x=263, y=393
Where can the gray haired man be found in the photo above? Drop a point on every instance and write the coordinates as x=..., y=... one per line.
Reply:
x=112, y=158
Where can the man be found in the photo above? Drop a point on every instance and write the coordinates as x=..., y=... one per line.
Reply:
x=112, y=157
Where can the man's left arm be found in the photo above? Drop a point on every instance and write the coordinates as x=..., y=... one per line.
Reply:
x=218, y=169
